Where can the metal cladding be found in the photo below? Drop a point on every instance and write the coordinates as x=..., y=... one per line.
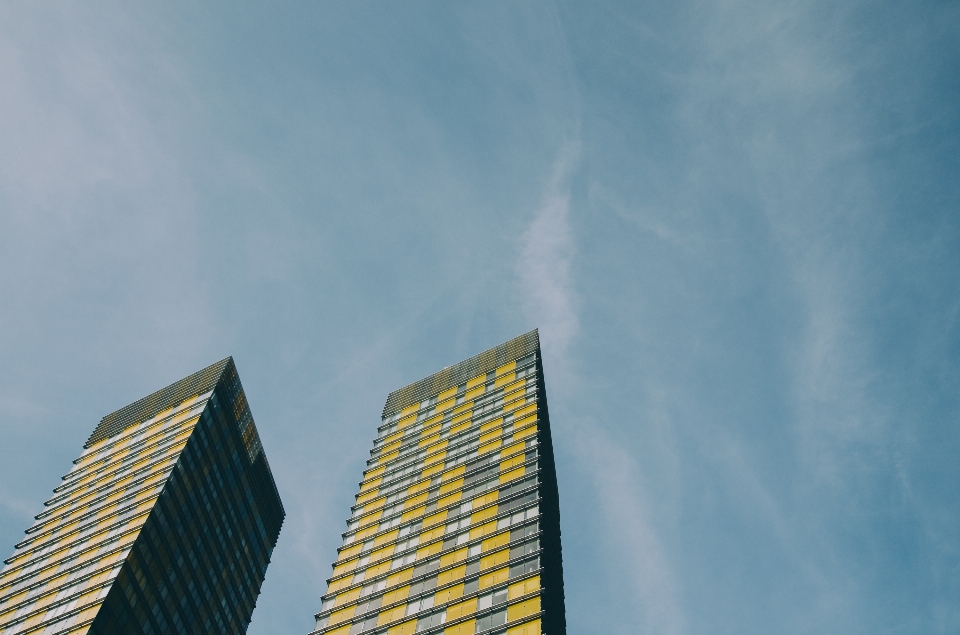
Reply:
x=456, y=527
x=165, y=524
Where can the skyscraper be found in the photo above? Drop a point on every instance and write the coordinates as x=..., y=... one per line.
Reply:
x=165, y=524
x=456, y=527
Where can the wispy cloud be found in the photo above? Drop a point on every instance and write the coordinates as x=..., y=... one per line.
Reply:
x=545, y=259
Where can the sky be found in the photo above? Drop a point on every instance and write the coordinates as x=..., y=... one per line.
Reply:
x=736, y=225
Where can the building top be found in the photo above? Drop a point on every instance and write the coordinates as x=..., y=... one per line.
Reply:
x=467, y=369
x=165, y=398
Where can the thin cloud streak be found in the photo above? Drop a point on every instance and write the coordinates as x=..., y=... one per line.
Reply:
x=545, y=259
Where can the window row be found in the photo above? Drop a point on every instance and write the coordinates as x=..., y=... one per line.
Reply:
x=426, y=408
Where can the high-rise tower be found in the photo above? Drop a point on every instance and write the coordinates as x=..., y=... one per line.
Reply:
x=456, y=528
x=165, y=524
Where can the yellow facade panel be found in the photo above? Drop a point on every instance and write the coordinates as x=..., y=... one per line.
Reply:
x=449, y=499
x=436, y=532
x=449, y=486
x=486, y=437
x=494, y=542
x=494, y=577
x=512, y=474
x=399, y=577
x=490, y=447
x=434, y=458
x=449, y=594
x=476, y=392
x=414, y=501
x=476, y=381
x=377, y=569
x=383, y=539
x=504, y=380
x=450, y=575
x=382, y=553
x=346, y=567
x=483, y=514
x=482, y=530
x=526, y=432
x=490, y=425
x=413, y=513
x=347, y=597
x=430, y=471
x=453, y=557
x=514, y=405
x=369, y=485
x=461, y=609
x=494, y=559
x=391, y=615
x=463, y=628
x=407, y=628
x=523, y=609
x=396, y=595
x=371, y=518
x=530, y=585
x=433, y=519
x=526, y=409
x=342, y=615
x=418, y=487
x=429, y=550
x=506, y=368
x=527, y=628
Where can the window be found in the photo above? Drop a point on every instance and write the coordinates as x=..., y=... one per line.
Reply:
x=427, y=567
x=524, y=568
x=424, y=585
x=455, y=541
x=389, y=523
x=403, y=560
x=492, y=620
x=365, y=625
x=518, y=517
x=429, y=621
x=412, y=527
x=471, y=585
x=408, y=543
x=491, y=599
x=370, y=605
x=390, y=511
x=518, y=502
x=526, y=548
x=328, y=603
x=372, y=588
x=522, y=532
x=516, y=487
x=419, y=605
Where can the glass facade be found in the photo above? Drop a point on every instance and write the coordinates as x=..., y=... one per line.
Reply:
x=165, y=524
x=456, y=527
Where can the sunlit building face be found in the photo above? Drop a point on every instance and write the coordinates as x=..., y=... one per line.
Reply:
x=456, y=527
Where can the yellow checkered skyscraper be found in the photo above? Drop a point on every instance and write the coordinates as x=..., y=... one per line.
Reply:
x=165, y=524
x=456, y=527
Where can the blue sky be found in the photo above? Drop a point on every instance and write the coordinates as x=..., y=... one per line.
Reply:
x=736, y=224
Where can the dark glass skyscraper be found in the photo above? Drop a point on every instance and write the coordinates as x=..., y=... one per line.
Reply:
x=456, y=527
x=165, y=524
